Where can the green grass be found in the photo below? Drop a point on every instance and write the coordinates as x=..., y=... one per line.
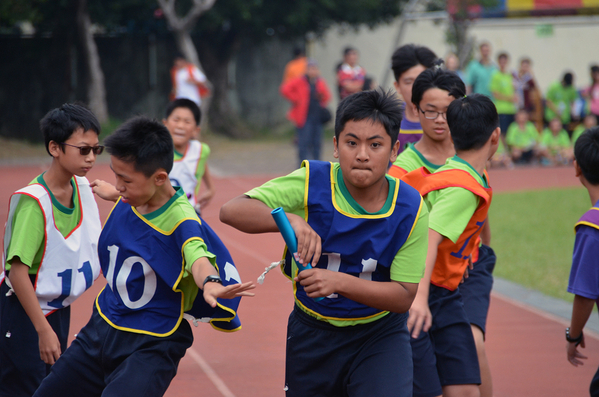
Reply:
x=533, y=237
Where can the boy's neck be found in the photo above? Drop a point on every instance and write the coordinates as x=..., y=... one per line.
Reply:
x=476, y=158
x=436, y=152
x=161, y=196
x=181, y=149
x=58, y=181
x=372, y=198
x=410, y=114
x=593, y=192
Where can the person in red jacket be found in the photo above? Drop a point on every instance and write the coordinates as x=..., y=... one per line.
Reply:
x=308, y=94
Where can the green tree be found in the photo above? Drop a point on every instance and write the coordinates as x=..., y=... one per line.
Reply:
x=220, y=32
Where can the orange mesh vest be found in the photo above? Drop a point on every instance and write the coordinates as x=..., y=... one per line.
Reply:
x=396, y=172
x=452, y=258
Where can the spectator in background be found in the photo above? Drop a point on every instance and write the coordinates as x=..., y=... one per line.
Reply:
x=188, y=81
x=350, y=76
x=559, y=99
x=529, y=97
x=592, y=92
x=452, y=63
x=589, y=121
x=297, y=66
x=554, y=146
x=308, y=94
x=522, y=137
x=478, y=72
x=504, y=93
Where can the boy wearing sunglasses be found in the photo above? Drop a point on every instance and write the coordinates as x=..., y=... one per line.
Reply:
x=50, y=252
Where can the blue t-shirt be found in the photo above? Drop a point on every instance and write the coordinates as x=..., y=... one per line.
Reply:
x=584, y=276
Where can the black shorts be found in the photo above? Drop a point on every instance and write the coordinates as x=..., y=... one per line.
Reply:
x=21, y=368
x=476, y=289
x=372, y=359
x=103, y=360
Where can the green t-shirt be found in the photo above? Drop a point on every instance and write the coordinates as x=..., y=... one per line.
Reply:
x=166, y=218
x=411, y=159
x=28, y=237
x=562, y=97
x=452, y=208
x=479, y=77
x=503, y=83
x=201, y=169
x=577, y=133
x=522, y=139
x=555, y=142
x=288, y=192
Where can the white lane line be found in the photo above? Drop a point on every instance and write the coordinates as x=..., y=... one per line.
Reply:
x=216, y=380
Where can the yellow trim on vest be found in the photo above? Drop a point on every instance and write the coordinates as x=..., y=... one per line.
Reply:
x=167, y=233
x=378, y=216
x=416, y=220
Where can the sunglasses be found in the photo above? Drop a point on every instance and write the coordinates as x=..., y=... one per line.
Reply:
x=84, y=150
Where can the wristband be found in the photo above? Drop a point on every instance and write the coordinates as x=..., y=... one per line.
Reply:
x=212, y=279
x=577, y=340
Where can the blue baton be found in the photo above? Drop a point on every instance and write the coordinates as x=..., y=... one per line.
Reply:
x=289, y=236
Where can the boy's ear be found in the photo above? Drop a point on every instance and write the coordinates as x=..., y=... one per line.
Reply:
x=160, y=177
x=394, y=151
x=54, y=148
x=396, y=85
x=495, y=136
x=335, y=148
x=577, y=170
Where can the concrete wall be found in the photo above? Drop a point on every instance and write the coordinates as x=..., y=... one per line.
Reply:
x=573, y=45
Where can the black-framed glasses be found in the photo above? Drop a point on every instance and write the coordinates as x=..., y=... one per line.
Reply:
x=432, y=114
x=84, y=150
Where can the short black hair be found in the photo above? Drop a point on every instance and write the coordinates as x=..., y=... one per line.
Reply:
x=568, y=79
x=586, y=153
x=503, y=55
x=410, y=55
x=437, y=78
x=348, y=49
x=185, y=103
x=59, y=124
x=377, y=105
x=298, y=51
x=471, y=120
x=144, y=142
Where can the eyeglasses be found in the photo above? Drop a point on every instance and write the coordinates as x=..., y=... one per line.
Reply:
x=84, y=150
x=431, y=114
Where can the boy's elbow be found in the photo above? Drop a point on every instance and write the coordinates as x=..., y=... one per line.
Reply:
x=225, y=214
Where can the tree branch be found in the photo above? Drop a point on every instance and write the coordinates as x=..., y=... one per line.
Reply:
x=188, y=21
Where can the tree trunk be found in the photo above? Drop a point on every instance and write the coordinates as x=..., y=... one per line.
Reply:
x=96, y=91
x=222, y=116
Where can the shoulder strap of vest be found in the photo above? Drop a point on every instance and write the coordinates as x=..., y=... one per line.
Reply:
x=396, y=171
x=590, y=218
x=426, y=182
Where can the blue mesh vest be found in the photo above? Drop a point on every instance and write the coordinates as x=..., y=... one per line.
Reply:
x=361, y=245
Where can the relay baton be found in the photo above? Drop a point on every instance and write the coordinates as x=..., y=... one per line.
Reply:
x=289, y=236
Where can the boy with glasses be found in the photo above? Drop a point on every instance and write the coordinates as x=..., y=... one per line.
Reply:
x=50, y=252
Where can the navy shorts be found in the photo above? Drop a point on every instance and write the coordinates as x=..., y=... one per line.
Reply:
x=446, y=354
x=476, y=289
x=21, y=368
x=105, y=361
x=372, y=359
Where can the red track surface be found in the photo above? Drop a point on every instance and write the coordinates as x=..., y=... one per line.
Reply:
x=526, y=348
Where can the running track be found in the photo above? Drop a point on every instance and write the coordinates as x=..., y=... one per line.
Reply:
x=526, y=347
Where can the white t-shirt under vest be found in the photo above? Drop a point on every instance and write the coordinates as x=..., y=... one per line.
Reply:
x=184, y=170
x=69, y=265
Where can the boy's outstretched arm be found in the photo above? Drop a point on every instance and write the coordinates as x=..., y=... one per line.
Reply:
x=253, y=216
x=105, y=190
x=421, y=318
x=202, y=268
x=49, y=344
x=581, y=310
x=391, y=296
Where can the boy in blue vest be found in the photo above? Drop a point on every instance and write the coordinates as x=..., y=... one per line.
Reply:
x=153, y=253
x=50, y=255
x=584, y=277
x=365, y=236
